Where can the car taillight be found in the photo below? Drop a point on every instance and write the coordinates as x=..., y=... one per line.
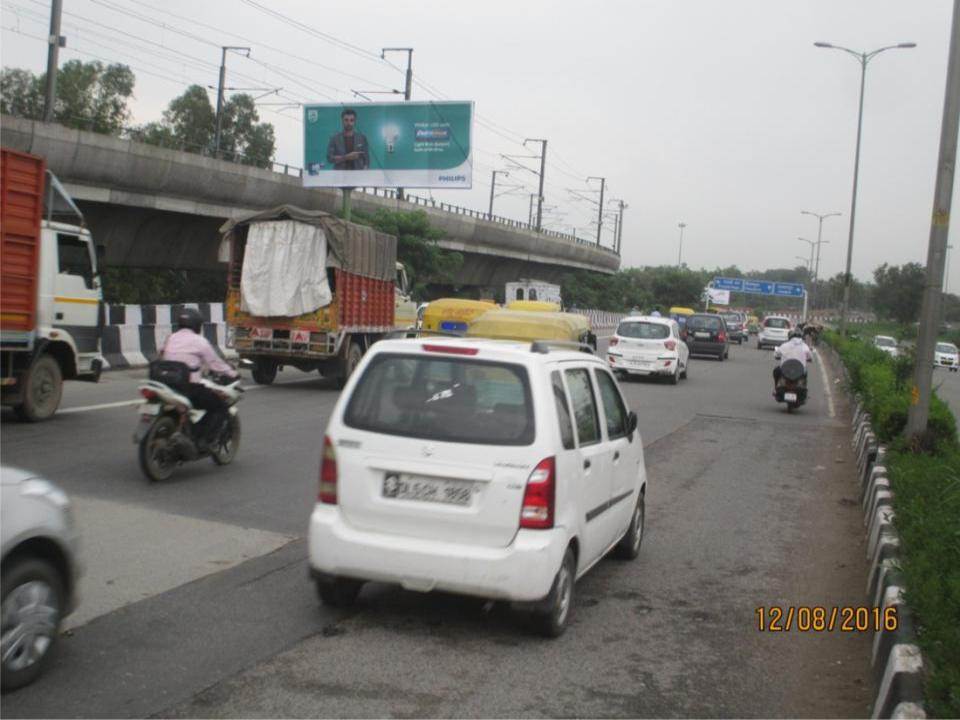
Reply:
x=670, y=344
x=722, y=337
x=614, y=341
x=328, y=474
x=538, y=497
x=148, y=394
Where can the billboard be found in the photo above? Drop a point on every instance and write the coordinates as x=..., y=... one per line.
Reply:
x=405, y=144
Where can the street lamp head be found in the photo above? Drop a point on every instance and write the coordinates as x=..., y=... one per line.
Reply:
x=823, y=45
x=907, y=45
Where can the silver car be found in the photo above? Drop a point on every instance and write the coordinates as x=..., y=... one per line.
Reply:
x=39, y=571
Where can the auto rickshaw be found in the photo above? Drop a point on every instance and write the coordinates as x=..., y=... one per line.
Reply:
x=533, y=306
x=530, y=326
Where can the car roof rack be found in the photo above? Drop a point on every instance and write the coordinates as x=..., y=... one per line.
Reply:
x=543, y=346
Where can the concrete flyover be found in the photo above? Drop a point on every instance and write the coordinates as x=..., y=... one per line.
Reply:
x=155, y=207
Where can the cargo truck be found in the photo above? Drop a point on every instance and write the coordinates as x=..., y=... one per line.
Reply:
x=311, y=291
x=50, y=300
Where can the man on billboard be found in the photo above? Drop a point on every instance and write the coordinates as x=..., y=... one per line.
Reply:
x=348, y=150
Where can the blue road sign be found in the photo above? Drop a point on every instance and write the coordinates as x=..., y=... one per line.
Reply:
x=788, y=289
x=735, y=284
x=759, y=287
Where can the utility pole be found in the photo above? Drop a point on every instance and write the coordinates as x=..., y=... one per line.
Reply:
x=408, y=86
x=220, y=89
x=543, y=169
x=603, y=184
x=493, y=185
x=530, y=211
x=55, y=41
x=623, y=206
x=919, y=411
x=680, y=251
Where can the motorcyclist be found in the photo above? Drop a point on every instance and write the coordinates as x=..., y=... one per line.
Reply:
x=188, y=346
x=793, y=349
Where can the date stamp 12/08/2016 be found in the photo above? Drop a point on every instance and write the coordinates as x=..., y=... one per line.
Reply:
x=817, y=618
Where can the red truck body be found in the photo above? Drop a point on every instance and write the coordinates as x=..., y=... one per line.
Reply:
x=21, y=211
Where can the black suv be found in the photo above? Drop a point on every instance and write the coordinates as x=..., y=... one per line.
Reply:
x=736, y=326
x=706, y=334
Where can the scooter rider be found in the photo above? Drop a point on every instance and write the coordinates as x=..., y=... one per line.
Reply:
x=188, y=346
x=793, y=349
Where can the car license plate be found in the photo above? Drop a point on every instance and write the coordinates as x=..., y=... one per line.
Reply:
x=150, y=409
x=702, y=335
x=790, y=397
x=412, y=487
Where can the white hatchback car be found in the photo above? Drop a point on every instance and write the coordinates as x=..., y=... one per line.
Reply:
x=648, y=346
x=774, y=331
x=487, y=468
x=887, y=344
x=946, y=355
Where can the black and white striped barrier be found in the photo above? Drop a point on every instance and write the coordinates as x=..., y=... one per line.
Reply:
x=133, y=335
x=896, y=659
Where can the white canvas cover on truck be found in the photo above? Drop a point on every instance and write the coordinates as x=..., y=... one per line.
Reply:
x=284, y=269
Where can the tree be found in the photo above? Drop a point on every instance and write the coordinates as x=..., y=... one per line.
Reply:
x=191, y=119
x=90, y=96
x=899, y=291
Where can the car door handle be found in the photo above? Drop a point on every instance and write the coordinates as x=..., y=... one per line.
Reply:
x=586, y=464
x=616, y=456
x=60, y=316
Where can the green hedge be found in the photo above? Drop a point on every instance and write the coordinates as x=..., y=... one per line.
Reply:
x=926, y=502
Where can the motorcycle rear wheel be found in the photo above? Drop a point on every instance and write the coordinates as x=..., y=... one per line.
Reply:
x=157, y=452
x=226, y=449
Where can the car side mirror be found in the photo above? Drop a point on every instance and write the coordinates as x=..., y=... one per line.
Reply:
x=632, y=422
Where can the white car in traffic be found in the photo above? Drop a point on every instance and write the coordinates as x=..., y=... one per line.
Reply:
x=495, y=469
x=774, y=331
x=887, y=344
x=946, y=355
x=645, y=345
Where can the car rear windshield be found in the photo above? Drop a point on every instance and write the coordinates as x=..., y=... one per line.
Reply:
x=444, y=398
x=704, y=322
x=643, y=330
x=781, y=323
x=885, y=342
x=731, y=318
x=945, y=348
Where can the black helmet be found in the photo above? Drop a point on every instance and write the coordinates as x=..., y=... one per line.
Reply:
x=191, y=319
x=795, y=333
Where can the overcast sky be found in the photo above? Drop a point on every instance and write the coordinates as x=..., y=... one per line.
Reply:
x=722, y=115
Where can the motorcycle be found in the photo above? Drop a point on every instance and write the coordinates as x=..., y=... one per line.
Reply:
x=792, y=385
x=167, y=435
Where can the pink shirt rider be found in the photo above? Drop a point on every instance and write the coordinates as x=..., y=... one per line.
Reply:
x=188, y=347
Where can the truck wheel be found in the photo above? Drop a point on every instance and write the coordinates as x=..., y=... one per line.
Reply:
x=264, y=371
x=350, y=361
x=42, y=388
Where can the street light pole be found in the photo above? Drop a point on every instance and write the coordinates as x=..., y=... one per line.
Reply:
x=919, y=411
x=493, y=185
x=820, y=241
x=543, y=169
x=623, y=206
x=863, y=58
x=809, y=263
x=218, y=134
x=680, y=251
x=56, y=41
x=408, y=86
x=603, y=184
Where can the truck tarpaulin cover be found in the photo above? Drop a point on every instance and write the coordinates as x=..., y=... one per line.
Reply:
x=284, y=269
x=356, y=249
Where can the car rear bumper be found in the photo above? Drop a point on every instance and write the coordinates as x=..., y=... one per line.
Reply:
x=521, y=572
x=706, y=348
x=657, y=366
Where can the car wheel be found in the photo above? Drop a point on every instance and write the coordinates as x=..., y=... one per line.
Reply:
x=721, y=357
x=553, y=619
x=33, y=601
x=686, y=369
x=726, y=355
x=629, y=546
x=759, y=346
x=338, y=592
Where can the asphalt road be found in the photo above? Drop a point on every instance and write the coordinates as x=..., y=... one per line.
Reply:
x=196, y=601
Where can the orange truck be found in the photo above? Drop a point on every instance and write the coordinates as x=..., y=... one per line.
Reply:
x=50, y=300
x=311, y=291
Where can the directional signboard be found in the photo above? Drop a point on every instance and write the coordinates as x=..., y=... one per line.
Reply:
x=759, y=287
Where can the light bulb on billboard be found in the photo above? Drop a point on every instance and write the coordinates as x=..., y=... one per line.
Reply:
x=390, y=135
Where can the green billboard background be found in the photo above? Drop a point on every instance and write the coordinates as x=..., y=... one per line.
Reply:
x=412, y=144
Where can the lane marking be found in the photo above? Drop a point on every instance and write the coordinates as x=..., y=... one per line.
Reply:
x=127, y=403
x=826, y=384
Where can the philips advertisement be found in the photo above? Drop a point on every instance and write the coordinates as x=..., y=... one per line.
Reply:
x=409, y=144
